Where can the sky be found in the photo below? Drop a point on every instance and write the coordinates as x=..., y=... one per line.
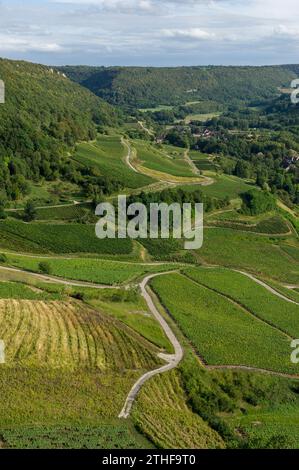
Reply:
x=150, y=32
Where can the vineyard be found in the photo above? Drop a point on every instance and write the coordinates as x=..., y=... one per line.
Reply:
x=162, y=407
x=58, y=238
x=250, y=252
x=99, y=271
x=223, y=332
x=107, y=155
x=155, y=159
x=255, y=298
x=68, y=334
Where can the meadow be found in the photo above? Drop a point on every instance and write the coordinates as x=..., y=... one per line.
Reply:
x=107, y=155
x=222, y=332
x=255, y=298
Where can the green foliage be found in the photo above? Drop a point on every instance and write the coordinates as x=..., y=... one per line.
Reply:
x=257, y=202
x=88, y=269
x=101, y=436
x=45, y=267
x=106, y=157
x=42, y=118
x=148, y=87
x=3, y=258
x=248, y=251
x=30, y=212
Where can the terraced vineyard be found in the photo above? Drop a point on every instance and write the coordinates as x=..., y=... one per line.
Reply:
x=158, y=160
x=58, y=238
x=67, y=334
x=162, y=414
x=107, y=155
x=255, y=298
x=99, y=271
x=222, y=332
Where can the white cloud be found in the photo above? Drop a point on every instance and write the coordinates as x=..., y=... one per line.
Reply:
x=150, y=32
x=191, y=33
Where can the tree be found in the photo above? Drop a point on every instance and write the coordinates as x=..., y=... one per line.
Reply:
x=30, y=212
x=257, y=202
x=45, y=267
x=242, y=170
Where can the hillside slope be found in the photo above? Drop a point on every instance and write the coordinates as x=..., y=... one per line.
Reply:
x=146, y=87
x=44, y=114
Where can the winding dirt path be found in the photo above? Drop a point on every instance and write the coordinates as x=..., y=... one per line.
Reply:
x=57, y=280
x=161, y=177
x=172, y=360
x=266, y=286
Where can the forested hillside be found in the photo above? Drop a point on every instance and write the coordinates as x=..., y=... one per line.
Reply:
x=44, y=115
x=148, y=87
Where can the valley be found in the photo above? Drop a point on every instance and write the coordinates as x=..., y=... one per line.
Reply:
x=111, y=343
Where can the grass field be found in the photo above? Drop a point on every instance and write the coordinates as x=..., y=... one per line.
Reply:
x=87, y=269
x=58, y=238
x=221, y=331
x=252, y=296
x=107, y=154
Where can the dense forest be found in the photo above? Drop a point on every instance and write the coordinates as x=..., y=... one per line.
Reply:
x=44, y=115
x=147, y=87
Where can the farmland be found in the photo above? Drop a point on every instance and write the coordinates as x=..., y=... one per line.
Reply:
x=107, y=155
x=99, y=271
x=250, y=295
x=162, y=406
x=219, y=329
x=274, y=224
x=224, y=185
x=156, y=159
x=58, y=238
x=260, y=255
x=68, y=335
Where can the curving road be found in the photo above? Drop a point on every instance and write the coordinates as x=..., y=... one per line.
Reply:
x=172, y=359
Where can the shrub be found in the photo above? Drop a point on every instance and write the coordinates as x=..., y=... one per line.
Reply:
x=3, y=258
x=45, y=267
x=257, y=202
